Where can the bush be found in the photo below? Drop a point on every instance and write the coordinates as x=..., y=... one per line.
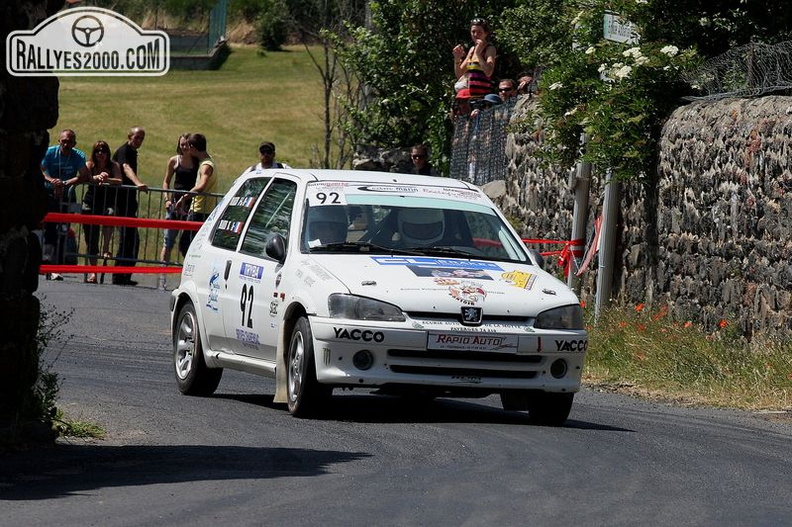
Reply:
x=273, y=24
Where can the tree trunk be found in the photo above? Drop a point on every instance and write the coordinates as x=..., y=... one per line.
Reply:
x=28, y=107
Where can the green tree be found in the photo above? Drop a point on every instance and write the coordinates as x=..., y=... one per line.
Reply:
x=405, y=63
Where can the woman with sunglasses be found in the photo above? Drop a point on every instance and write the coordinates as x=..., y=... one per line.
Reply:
x=99, y=200
x=180, y=175
x=478, y=64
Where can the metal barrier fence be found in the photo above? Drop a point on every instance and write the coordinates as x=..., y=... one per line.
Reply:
x=110, y=221
x=478, y=147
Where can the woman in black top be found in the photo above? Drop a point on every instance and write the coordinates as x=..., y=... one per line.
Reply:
x=99, y=200
x=180, y=174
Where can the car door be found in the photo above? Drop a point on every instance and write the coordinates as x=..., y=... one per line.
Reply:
x=250, y=309
x=225, y=238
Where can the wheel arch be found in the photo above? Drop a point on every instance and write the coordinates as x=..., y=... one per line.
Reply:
x=293, y=313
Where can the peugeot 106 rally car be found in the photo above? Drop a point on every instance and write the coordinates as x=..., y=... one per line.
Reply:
x=411, y=285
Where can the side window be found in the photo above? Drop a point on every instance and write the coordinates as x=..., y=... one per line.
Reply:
x=229, y=226
x=272, y=216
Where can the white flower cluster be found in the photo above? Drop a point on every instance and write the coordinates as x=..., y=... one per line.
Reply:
x=671, y=51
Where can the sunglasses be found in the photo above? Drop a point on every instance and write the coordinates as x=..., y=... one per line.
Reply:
x=267, y=152
x=479, y=22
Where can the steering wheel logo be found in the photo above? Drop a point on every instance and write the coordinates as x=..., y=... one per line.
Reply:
x=88, y=31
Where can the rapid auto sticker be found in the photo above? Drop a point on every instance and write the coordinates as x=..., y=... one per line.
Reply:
x=450, y=341
x=426, y=261
x=251, y=273
x=519, y=279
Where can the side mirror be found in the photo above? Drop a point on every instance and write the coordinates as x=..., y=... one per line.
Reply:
x=276, y=248
x=537, y=257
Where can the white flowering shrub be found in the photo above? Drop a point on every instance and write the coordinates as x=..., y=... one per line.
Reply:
x=618, y=93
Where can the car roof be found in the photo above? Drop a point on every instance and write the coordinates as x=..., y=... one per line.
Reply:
x=308, y=175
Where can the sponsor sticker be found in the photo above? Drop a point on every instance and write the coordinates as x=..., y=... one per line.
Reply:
x=519, y=279
x=472, y=342
x=250, y=272
x=425, y=261
x=449, y=272
x=364, y=335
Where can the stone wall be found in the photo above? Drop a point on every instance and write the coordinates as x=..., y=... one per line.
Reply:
x=709, y=236
x=28, y=107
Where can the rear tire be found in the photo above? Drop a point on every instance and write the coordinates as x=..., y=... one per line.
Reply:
x=550, y=409
x=193, y=376
x=305, y=395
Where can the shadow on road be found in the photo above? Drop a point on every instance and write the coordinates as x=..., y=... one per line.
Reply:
x=64, y=470
x=384, y=409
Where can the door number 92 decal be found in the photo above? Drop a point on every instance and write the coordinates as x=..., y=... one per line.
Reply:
x=246, y=304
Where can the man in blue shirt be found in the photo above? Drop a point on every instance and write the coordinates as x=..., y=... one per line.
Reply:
x=63, y=167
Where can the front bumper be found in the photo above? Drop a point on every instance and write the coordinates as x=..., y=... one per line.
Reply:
x=482, y=358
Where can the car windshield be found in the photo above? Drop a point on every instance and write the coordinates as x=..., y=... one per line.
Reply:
x=392, y=222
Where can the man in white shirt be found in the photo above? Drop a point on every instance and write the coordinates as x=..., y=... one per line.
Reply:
x=267, y=156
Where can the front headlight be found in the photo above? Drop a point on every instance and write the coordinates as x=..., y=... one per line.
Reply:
x=564, y=317
x=361, y=308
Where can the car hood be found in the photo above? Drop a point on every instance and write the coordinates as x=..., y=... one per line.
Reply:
x=431, y=284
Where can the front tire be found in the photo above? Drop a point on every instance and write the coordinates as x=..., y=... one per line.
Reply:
x=193, y=376
x=305, y=395
x=516, y=401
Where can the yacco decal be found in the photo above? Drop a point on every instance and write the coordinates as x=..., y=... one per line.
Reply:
x=449, y=272
x=424, y=261
x=250, y=271
x=520, y=279
x=366, y=335
x=571, y=345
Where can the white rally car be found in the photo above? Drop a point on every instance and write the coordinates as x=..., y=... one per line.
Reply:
x=413, y=285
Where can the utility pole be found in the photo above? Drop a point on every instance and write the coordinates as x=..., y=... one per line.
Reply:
x=607, y=252
x=580, y=184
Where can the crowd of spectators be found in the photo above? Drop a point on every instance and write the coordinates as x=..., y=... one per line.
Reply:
x=189, y=182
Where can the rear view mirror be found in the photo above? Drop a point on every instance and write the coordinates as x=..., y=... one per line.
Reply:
x=276, y=248
x=537, y=257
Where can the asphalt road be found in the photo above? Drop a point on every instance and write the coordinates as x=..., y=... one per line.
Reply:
x=238, y=459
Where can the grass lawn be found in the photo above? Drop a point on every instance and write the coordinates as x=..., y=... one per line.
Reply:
x=276, y=97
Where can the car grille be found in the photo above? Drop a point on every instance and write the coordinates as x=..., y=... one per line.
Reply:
x=492, y=319
x=464, y=363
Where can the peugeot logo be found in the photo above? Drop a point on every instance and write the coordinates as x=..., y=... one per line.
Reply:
x=88, y=31
x=472, y=316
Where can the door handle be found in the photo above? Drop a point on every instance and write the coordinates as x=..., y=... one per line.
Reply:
x=227, y=271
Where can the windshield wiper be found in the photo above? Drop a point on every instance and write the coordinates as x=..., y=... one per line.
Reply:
x=446, y=250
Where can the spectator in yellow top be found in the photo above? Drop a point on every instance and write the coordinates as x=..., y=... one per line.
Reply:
x=200, y=205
